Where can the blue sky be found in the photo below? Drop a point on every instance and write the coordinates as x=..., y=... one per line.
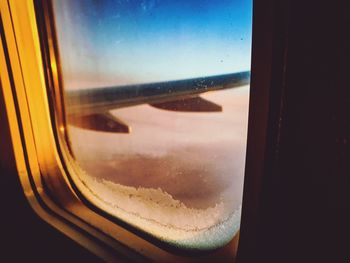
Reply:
x=134, y=41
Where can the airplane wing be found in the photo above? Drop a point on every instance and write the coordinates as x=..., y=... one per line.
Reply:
x=89, y=108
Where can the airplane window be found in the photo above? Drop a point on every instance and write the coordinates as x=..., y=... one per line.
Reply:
x=156, y=97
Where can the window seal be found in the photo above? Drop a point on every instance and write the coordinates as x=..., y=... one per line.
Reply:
x=44, y=11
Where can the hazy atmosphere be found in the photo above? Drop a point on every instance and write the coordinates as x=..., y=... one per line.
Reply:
x=177, y=175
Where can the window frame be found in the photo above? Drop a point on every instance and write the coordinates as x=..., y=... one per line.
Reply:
x=46, y=175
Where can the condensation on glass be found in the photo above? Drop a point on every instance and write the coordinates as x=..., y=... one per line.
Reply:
x=156, y=100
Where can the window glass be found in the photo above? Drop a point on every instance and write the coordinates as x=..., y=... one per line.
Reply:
x=156, y=100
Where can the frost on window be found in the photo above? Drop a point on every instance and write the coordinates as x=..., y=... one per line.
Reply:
x=156, y=100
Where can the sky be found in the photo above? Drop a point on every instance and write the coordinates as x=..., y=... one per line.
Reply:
x=118, y=42
x=197, y=159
